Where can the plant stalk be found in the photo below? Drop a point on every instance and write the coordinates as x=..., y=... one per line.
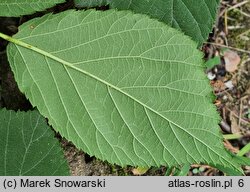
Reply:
x=28, y=46
x=15, y=41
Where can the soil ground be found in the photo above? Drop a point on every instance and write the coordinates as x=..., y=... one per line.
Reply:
x=231, y=87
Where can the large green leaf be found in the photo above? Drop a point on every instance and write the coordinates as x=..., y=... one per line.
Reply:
x=16, y=8
x=91, y=3
x=194, y=17
x=120, y=86
x=28, y=146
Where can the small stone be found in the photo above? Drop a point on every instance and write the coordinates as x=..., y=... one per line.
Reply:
x=232, y=60
x=229, y=84
x=211, y=76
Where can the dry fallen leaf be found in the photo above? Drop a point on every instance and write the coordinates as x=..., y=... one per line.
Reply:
x=232, y=60
x=139, y=170
x=218, y=85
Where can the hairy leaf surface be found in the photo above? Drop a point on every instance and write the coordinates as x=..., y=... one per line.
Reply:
x=123, y=87
x=16, y=8
x=193, y=17
x=28, y=146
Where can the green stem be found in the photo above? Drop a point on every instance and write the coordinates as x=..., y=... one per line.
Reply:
x=232, y=136
x=28, y=46
x=244, y=150
x=13, y=40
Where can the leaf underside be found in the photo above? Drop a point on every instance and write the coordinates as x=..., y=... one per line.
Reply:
x=16, y=8
x=120, y=86
x=194, y=18
x=28, y=146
